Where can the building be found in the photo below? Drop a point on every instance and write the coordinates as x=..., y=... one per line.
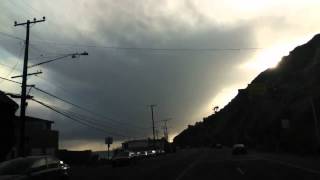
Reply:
x=7, y=110
x=40, y=138
x=144, y=144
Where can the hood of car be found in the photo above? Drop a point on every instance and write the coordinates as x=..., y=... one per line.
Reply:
x=12, y=177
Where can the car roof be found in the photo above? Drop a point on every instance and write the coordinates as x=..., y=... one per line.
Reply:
x=239, y=145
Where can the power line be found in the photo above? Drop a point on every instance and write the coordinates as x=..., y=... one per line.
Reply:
x=148, y=48
x=10, y=80
x=12, y=69
x=10, y=36
x=70, y=103
x=84, y=109
x=77, y=120
x=15, y=66
x=137, y=48
x=84, y=118
x=75, y=105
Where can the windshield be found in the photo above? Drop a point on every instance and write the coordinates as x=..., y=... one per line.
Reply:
x=171, y=89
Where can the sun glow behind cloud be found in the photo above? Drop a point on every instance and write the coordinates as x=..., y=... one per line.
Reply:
x=262, y=60
x=273, y=26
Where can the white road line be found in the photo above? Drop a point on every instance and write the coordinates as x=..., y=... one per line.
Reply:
x=293, y=166
x=240, y=171
x=184, y=172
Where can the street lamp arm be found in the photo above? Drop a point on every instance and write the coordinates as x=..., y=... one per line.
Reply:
x=58, y=58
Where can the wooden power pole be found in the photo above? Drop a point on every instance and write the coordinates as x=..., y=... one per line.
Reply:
x=24, y=84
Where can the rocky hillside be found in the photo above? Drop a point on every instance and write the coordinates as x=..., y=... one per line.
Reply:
x=278, y=111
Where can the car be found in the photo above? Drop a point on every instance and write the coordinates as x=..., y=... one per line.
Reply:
x=151, y=153
x=123, y=158
x=160, y=152
x=34, y=167
x=219, y=146
x=238, y=149
x=144, y=154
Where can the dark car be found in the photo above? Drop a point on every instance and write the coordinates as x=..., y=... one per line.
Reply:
x=239, y=149
x=219, y=146
x=34, y=167
x=123, y=158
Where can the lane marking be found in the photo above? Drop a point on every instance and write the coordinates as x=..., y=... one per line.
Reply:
x=184, y=172
x=240, y=171
x=254, y=158
x=192, y=165
x=293, y=165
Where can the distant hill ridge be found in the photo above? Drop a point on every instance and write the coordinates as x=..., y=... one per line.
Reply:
x=278, y=111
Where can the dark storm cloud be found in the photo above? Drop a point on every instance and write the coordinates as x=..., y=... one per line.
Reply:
x=121, y=83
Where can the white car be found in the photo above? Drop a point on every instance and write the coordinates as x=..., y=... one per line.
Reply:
x=34, y=167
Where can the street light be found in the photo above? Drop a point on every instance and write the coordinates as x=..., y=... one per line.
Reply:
x=73, y=55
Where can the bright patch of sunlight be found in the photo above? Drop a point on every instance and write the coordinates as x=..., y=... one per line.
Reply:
x=270, y=57
x=225, y=96
x=80, y=145
x=171, y=136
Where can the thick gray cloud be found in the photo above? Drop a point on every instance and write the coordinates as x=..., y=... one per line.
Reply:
x=122, y=83
x=119, y=84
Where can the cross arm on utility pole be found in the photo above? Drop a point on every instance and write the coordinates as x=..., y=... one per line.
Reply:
x=29, y=74
x=30, y=22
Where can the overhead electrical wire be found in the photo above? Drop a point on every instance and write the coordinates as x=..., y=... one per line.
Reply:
x=79, y=107
x=147, y=48
x=16, y=64
x=83, y=121
x=88, y=119
x=85, y=109
x=10, y=36
x=10, y=80
x=79, y=121
x=140, y=48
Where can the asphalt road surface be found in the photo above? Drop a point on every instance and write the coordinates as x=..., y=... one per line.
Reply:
x=201, y=164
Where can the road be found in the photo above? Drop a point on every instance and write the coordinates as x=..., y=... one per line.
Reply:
x=201, y=163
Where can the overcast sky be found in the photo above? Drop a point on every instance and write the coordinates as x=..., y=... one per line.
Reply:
x=118, y=84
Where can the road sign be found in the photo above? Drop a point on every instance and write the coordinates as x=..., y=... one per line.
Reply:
x=108, y=140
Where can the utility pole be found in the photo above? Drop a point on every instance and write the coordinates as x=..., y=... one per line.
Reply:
x=152, y=117
x=24, y=84
x=157, y=134
x=165, y=128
